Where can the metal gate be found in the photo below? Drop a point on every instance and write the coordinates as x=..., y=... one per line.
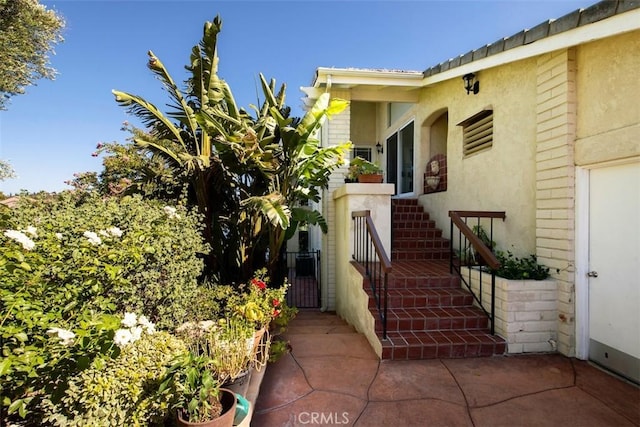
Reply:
x=303, y=273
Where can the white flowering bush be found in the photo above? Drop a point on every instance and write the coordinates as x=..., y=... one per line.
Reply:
x=68, y=264
x=123, y=390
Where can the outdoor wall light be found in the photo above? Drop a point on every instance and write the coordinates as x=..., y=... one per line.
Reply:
x=379, y=148
x=471, y=84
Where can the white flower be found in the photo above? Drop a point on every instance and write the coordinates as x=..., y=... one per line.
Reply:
x=59, y=236
x=114, y=231
x=130, y=320
x=148, y=326
x=64, y=335
x=21, y=238
x=92, y=237
x=171, y=212
x=31, y=230
x=136, y=333
x=122, y=337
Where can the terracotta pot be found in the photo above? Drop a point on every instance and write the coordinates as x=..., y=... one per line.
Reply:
x=370, y=178
x=228, y=400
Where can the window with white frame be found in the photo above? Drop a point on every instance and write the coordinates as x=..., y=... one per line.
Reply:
x=477, y=132
x=364, y=152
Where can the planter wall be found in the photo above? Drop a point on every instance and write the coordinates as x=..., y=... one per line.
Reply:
x=526, y=311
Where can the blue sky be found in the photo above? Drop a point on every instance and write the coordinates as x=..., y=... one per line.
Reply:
x=49, y=133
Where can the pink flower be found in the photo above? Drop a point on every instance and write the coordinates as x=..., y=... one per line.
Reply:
x=94, y=154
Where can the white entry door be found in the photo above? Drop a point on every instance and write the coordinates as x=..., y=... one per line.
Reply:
x=614, y=265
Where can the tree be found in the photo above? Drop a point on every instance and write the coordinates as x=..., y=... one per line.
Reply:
x=28, y=33
x=244, y=173
x=6, y=171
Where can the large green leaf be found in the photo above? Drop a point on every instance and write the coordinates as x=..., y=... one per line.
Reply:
x=273, y=207
x=150, y=116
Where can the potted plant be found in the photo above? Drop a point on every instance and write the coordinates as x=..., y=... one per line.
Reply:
x=230, y=343
x=197, y=396
x=364, y=171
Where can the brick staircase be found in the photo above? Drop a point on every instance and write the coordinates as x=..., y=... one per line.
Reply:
x=429, y=314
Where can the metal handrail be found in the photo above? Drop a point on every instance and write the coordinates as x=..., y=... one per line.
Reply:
x=472, y=241
x=369, y=253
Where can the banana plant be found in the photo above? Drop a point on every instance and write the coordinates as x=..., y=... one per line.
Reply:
x=246, y=174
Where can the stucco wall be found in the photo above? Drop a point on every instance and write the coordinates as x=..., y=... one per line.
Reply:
x=363, y=127
x=501, y=178
x=608, y=126
x=351, y=301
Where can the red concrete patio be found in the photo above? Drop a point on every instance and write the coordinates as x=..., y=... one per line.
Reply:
x=332, y=377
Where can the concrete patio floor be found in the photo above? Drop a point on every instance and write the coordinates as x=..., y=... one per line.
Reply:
x=332, y=377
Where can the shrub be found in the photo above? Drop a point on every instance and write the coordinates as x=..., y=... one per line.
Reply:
x=514, y=268
x=140, y=254
x=68, y=262
x=124, y=390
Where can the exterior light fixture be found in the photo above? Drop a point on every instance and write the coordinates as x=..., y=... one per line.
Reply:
x=379, y=148
x=471, y=84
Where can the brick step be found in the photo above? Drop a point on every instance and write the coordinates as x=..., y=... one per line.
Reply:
x=415, y=224
x=404, y=202
x=426, y=298
x=419, y=254
x=432, y=319
x=419, y=215
x=435, y=242
x=416, y=345
x=408, y=208
x=422, y=274
x=416, y=233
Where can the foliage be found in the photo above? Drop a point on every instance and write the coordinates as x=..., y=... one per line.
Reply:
x=128, y=170
x=257, y=302
x=514, y=268
x=194, y=386
x=479, y=231
x=227, y=342
x=29, y=32
x=6, y=171
x=360, y=166
x=123, y=390
x=278, y=348
x=149, y=266
x=66, y=265
x=244, y=173
x=280, y=322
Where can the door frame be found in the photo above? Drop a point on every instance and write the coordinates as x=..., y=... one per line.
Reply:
x=581, y=248
x=398, y=182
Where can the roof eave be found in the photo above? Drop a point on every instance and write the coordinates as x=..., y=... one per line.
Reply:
x=615, y=25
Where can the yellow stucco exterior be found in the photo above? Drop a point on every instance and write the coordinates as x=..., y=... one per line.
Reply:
x=569, y=104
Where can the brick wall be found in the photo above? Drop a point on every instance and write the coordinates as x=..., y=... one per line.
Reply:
x=335, y=131
x=526, y=311
x=555, y=181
